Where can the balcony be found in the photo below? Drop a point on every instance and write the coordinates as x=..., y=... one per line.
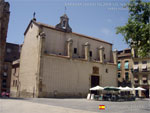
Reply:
x=135, y=68
x=142, y=69
x=4, y=74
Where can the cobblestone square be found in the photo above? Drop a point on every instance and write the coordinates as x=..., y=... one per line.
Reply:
x=46, y=105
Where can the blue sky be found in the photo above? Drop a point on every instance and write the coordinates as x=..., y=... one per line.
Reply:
x=97, y=18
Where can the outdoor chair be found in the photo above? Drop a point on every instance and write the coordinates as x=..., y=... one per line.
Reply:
x=100, y=98
x=96, y=97
x=92, y=96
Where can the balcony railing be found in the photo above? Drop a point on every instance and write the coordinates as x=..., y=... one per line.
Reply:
x=142, y=70
x=135, y=70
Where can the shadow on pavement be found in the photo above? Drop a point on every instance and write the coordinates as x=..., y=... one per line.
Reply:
x=13, y=98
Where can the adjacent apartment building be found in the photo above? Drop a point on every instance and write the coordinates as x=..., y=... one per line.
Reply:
x=125, y=76
x=14, y=84
x=56, y=62
x=141, y=73
x=4, y=20
x=134, y=71
x=12, y=53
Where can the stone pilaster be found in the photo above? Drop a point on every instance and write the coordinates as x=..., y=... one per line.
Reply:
x=69, y=47
x=101, y=54
x=132, y=82
x=149, y=91
x=115, y=56
x=42, y=42
x=38, y=85
x=86, y=50
x=148, y=79
x=140, y=83
x=133, y=52
x=140, y=80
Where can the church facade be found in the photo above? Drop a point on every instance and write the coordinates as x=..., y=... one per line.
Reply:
x=56, y=62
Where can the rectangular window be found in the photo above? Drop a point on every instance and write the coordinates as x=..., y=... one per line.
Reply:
x=4, y=81
x=126, y=75
x=4, y=74
x=104, y=56
x=119, y=75
x=144, y=62
x=136, y=63
x=5, y=67
x=75, y=50
x=144, y=66
x=136, y=80
x=8, y=50
x=106, y=70
x=145, y=81
x=126, y=66
x=144, y=78
x=135, y=68
x=4, y=86
x=119, y=65
x=90, y=53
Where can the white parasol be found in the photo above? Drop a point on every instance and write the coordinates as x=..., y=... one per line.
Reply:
x=97, y=88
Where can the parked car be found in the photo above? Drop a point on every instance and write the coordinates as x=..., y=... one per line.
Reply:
x=4, y=94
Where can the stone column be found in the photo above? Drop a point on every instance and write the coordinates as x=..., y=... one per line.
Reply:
x=42, y=41
x=132, y=82
x=140, y=80
x=148, y=79
x=86, y=50
x=140, y=83
x=69, y=47
x=101, y=54
x=149, y=91
x=115, y=57
x=133, y=52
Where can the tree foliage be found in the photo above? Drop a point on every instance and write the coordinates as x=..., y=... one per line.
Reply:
x=136, y=31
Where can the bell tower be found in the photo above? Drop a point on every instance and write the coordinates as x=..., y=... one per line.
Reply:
x=64, y=24
x=4, y=20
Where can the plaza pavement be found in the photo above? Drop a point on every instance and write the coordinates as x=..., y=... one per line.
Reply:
x=49, y=105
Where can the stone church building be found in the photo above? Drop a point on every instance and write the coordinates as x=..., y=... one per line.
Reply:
x=56, y=62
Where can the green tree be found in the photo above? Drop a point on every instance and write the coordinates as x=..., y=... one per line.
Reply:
x=136, y=31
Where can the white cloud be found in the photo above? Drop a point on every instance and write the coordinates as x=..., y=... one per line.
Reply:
x=106, y=31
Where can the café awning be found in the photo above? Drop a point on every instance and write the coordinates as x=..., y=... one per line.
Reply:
x=144, y=66
x=135, y=67
x=126, y=88
x=140, y=89
x=96, y=88
x=111, y=88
